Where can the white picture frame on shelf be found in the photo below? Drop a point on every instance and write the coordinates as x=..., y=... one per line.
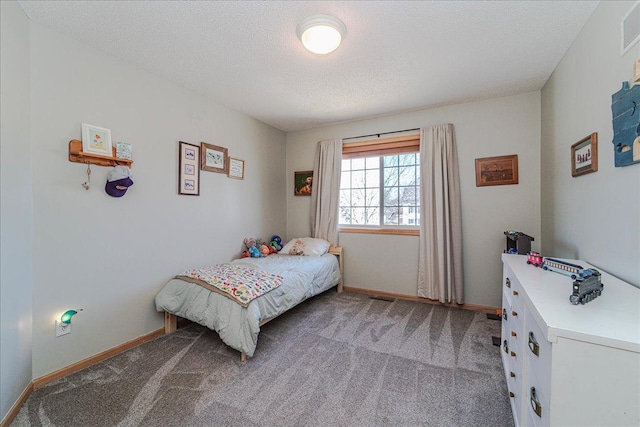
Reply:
x=96, y=140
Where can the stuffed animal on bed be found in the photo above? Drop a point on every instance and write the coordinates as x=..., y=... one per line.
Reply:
x=297, y=248
x=264, y=249
x=250, y=243
x=276, y=243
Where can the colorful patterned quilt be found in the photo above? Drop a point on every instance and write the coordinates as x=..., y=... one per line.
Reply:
x=238, y=326
x=238, y=283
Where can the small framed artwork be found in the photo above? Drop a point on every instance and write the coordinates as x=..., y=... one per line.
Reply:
x=584, y=155
x=96, y=140
x=303, y=183
x=123, y=150
x=214, y=158
x=188, y=169
x=499, y=170
x=236, y=168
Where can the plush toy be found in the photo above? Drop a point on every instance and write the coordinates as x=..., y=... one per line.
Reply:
x=250, y=243
x=297, y=248
x=276, y=243
x=264, y=249
x=245, y=254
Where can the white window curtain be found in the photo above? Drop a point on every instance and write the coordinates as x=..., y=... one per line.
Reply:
x=325, y=197
x=440, y=256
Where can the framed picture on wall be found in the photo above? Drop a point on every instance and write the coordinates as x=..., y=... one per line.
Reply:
x=214, y=158
x=498, y=170
x=303, y=182
x=584, y=155
x=188, y=169
x=96, y=140
x=236, y=168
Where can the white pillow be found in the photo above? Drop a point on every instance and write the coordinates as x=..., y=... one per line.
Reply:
x=315, y=247
x=306, y=246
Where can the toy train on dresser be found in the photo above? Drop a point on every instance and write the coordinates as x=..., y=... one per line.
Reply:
x=588, y=288
x=587, y=283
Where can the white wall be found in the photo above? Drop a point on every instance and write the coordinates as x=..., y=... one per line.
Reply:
x=16, y=279
x=509, y=125
x=110, y=256
x=594, y=217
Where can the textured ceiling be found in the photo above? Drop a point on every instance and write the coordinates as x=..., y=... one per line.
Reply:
x=397, y=56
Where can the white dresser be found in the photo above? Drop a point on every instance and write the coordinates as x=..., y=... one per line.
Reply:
x=569, y=364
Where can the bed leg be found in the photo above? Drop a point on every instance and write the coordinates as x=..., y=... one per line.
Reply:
x=170, y=323
x=340, y=288
x=243, y=357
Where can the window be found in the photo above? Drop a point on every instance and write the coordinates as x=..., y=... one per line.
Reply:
x=380, y=184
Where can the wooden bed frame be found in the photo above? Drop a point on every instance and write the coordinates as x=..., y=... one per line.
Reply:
x=171, y=320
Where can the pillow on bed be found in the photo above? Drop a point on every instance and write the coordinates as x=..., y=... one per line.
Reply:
x=306, y=246
x=315, y=247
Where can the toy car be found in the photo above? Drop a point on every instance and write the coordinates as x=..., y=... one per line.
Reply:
x=572, y=270
x=534, y=258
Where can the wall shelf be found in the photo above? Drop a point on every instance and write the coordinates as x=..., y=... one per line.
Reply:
x=78, y=156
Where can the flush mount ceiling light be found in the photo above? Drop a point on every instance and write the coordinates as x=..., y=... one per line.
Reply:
x=321, y=34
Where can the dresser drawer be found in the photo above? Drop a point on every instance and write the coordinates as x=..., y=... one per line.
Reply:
x=537, y=352
x=515, y=395
x=516, y=340
x=512, y=305
x=510, y=285
x=511, y=361
x=537, y=401
x=516, y=304
x=506, y=288
x=517, y=315
x=513, y=355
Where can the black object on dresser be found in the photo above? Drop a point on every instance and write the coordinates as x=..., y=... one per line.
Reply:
x=518, y=243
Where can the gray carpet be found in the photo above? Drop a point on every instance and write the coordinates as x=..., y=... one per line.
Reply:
x=335, y=360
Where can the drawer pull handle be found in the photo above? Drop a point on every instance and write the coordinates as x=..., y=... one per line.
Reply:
x=535, y=404
x=533, y=344
x=505, y=346
x=515, y=293
x=508, y=282
x=504, y=314
x=514, y=313
x=513, y=334
x=513, y=354
x=511, y=394
x=512, y=374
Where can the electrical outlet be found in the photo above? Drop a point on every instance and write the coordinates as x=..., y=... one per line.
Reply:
x=62, y=328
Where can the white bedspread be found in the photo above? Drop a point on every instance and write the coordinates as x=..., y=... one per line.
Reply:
x=238, y=327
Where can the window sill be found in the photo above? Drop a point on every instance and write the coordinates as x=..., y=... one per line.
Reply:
x=397, y=231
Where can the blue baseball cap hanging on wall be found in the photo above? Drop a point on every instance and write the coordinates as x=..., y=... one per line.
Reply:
x=118, y=181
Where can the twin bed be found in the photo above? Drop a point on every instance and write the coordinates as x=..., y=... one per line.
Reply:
x=238, y=324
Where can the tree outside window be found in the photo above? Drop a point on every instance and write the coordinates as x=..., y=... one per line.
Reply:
x=381, y=190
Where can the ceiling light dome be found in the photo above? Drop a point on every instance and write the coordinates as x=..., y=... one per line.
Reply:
x=321, y=34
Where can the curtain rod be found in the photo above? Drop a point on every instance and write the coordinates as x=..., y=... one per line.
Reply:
x=381, y=133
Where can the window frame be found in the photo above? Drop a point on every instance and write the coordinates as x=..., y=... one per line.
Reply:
x=403, y=144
